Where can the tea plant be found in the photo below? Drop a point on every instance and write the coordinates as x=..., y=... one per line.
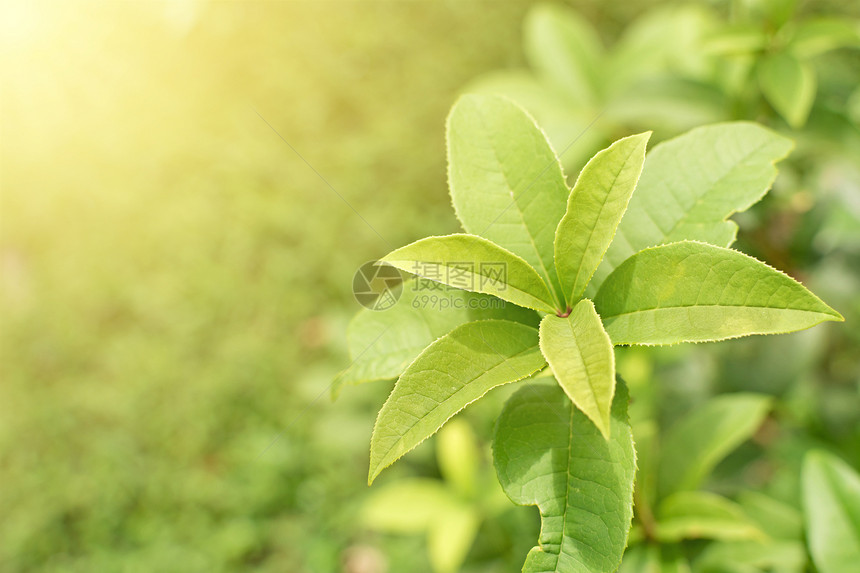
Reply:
x=582, y=270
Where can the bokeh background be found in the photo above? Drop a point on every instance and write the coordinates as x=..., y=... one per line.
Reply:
x=188, y=187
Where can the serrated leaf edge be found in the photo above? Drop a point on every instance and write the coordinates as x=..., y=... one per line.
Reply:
x=371, y=475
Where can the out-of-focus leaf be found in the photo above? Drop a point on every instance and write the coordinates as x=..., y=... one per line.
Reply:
x=580, y=355
x=764, y=555
x=427, y=500
x=702, y=515
x=548, y=453
x=449, y=375
x=691, y=184
x=663, y=42
x=653, y=558
x=777, y=519
x=450, y=537
x=814, y=37
x=733, y=41
x=594, y=209
x=789, y=84
x=641, y=558
x=831, y=508
x=695, y=292
x=458, y=456
x=774, y=12
x=475, y=264
x=565, y=50
x=383, y=343
x=698, y=441
x=506, y=182
x=675, y=104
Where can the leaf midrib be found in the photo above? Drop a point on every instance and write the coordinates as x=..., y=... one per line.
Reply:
x=727, y=306
x=514, y=202
x=588, y=242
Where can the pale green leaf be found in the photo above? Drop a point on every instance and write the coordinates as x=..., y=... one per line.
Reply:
x=641, y=558
x=694, y=292
x=450, y=538
x=753, y=555
x=775, y=12
x=698, y=441
x=831, y=507
x=703, y=515
x=446, y=377
x=458, y=456
x=674, y=103
x=664, y=38
x=475, y=264
x=816, y=36
x=565, y=50
x=581, y=357
x=551, y=110
x=594, y=209
x=789, y=84
x=408, y=505
x=383, y=343
x=506, y=182
x=691, y=184
x=653, y=558
x=548, y=453
x=734, y=41
x=776, y=518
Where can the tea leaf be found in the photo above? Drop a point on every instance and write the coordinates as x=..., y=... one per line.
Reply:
x=594, y=209
x=506, y=182
x=449, y=375
x=693, y=292
x=691, y=184
x=475, y=264
x=580, y=355
x=548, y=453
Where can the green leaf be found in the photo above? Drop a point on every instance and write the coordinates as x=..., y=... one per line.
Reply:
x=449, y=375
x=698, y=441
x=702, y=515
x=831, y=507
x=458, y=456
x=565, y=50
x=694, y=292
x=383, y=343
x=820, y=35
x=450, y=538
x=691, y=184
x=426, y=501
x=594, y=209
x=734, y=41
x=776, y=518
x=548, y=453
x=581, y=357
x=752, y=555
x=419, y=505
x=506, y=182
x=789, y=85
x=551, y=110
x=475, y=264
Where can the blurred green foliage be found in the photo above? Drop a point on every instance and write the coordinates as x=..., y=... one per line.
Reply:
x=175, y=278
